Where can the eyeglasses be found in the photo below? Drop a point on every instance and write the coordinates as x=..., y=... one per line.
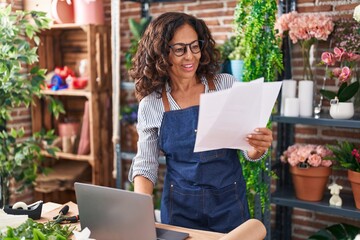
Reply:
x=180, y=49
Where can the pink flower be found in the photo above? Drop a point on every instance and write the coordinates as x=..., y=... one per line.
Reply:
x=345, y=74
x=314, y=160
x=328, y=58
x=353, y=57
x=356, y=154
x=326, y=163
x=310, y=154
x=304, y=26
x=336, y=72
x=339, y=54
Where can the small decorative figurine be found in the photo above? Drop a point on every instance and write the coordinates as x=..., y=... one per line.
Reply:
x=335, y=199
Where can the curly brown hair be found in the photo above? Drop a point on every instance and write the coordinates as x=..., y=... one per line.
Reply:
x=151, y=61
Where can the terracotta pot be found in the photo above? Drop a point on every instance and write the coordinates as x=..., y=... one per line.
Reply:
x=310, y=183
x=354, y=178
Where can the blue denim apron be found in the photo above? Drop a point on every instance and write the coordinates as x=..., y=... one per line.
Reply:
x=204, y=190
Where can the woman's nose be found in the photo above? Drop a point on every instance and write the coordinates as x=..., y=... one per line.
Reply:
x=188, y=53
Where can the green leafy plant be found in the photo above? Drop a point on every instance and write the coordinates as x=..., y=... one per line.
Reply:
x=31, y=230
x=346, y=155
x=226, y=48
x=20, y=159
x=255, y=21
x=137, y=29
x=340, y=231
x=238, y=52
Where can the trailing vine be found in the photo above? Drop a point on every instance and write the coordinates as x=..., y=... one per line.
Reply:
x=255, y=19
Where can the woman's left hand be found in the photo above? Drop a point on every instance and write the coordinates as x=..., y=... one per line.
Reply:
x=261, y=140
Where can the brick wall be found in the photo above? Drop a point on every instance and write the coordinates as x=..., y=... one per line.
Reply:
x=218, y=15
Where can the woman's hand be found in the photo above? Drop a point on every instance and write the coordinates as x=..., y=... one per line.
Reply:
x=261, y=140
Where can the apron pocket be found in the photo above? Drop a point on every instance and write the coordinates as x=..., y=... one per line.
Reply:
x=185, y=206
x=227, y=207
x=213, y=154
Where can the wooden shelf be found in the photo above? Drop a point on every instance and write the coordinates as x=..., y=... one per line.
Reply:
x=67, y=45
x=67, y=92
x=71, y=156
x=65, y=26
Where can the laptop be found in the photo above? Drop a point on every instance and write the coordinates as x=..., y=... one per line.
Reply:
x=112, y=213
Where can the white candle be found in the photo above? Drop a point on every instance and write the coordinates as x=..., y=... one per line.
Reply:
x=291, y=107
x=288, y=90
x=306, y=93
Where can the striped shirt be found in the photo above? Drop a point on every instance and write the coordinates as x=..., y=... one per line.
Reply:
x=150, y=114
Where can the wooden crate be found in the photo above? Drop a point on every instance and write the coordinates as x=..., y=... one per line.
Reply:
x=67, y=45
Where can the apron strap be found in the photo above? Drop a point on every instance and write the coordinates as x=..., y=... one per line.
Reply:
x=165, y=100
x=211, y=85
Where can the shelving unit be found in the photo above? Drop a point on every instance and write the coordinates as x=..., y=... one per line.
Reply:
x=65, y=45
x=284, y=198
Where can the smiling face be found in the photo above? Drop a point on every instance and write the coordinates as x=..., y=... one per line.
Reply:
x=185, y=66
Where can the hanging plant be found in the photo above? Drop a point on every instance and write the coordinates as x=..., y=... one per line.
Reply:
x=262, y=58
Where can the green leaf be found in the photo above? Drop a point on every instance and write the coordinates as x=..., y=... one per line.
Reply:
x=328, y=94
x=348, y=92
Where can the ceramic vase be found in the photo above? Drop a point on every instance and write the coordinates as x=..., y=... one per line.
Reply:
x=341, y=110
x=237, y=69
x=310, y=183
x=354, y=178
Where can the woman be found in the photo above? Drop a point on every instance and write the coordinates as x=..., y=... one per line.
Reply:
x=177, y=61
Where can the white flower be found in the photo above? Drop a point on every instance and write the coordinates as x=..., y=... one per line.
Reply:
x=356, y=15
x=357, y=236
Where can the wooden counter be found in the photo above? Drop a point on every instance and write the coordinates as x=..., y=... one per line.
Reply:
x=52, y=209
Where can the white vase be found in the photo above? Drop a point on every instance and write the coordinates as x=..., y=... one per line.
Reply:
x=341, y=110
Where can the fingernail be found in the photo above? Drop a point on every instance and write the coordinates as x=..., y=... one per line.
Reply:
x=249, y=136
x=256, y=130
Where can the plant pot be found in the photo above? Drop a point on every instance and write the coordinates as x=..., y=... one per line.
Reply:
x=310, y=183
x=341, y=110
x=237, y=69
x=354, y=178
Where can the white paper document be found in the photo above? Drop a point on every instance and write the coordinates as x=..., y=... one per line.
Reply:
x=227, y=117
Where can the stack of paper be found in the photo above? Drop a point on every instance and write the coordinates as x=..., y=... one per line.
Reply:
x=227, y=117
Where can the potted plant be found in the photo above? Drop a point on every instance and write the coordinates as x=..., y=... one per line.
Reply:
x=225, y=49
x=129, y=135
x=341, y=106
x=137, y=29
x=347, y=156
x=339, y=231
x=237, y=57
x=20, y=160
x=309, y=168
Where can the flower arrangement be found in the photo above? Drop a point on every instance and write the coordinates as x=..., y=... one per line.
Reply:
x=305, y=29
x=129, y=113
x=346, y=63
x=307, y=155
x=346, y=34
x=346, y=155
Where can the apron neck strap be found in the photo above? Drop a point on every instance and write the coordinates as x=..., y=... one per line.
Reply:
x=165, y=100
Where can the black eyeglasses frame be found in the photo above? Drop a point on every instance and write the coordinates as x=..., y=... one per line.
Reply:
x=185, y=47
